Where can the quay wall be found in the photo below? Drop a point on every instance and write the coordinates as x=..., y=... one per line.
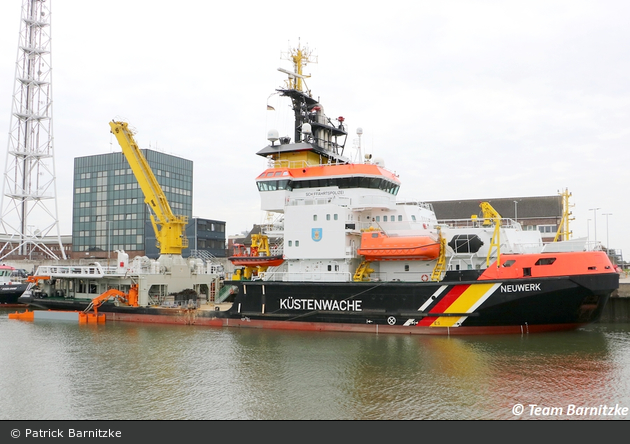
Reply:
x=617, y=310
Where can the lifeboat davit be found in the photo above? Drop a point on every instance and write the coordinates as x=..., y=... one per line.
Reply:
x=378, y=246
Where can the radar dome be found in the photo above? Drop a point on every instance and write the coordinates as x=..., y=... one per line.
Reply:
x=272, y=135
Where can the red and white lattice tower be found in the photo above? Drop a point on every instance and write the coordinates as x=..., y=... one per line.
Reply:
x=28, y=220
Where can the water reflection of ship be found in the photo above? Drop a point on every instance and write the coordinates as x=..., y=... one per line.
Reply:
x=481, y=377
x=555, y=370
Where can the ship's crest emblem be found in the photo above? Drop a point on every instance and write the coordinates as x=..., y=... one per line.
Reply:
x=316, y=234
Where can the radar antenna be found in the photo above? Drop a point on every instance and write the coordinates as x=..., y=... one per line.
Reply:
x=300, y=58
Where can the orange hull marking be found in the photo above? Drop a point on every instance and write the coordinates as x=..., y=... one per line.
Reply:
x=564, y=264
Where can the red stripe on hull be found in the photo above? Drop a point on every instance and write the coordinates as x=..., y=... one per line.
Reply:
x=191, y=319
x=443, y=304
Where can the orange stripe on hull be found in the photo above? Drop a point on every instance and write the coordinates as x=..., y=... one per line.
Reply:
x=514, y=266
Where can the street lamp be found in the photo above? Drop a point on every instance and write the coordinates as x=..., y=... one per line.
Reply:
x=515, y=211
x=107, y=222
x=607, y=247
x=588, y=234
x=594, y=210
x=30, y=244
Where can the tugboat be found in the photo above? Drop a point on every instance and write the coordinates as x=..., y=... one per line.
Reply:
x=351, y=257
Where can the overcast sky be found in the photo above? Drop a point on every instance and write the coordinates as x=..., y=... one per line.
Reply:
x=462, y=99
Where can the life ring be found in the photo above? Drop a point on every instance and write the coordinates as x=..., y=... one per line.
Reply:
x=425, y=277
x=425, y=226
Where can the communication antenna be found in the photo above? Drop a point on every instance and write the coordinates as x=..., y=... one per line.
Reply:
x=28, y=203
x=359, y=134
x=300, y=58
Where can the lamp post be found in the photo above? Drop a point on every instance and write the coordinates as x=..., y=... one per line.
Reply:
x=594, y=210
x=588, y=234
x=30, y=245
x=516, y=211
x=108, y=241
x=607, y=246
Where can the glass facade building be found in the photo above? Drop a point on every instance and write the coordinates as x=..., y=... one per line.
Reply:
x=109, y=212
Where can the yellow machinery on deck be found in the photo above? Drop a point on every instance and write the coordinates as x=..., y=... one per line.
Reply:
x=169, y=228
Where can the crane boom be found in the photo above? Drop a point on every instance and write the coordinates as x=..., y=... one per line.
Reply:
x=169, y=228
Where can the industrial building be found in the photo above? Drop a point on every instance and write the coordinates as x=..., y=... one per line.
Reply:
x=109, y=212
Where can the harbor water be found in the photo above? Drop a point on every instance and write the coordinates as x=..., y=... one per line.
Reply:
x=55, y=370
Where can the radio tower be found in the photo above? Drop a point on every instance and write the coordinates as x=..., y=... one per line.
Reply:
x=28, y=203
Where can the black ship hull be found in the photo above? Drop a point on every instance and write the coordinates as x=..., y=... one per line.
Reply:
x=448, y=307
x=10, y=293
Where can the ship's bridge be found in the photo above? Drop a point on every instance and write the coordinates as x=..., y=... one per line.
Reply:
x=277, y=184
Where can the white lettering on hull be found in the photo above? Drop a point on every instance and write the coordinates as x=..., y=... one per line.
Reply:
x=514, y=288
x=319, y=304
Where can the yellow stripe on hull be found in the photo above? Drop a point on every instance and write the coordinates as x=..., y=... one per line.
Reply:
x=467, y=302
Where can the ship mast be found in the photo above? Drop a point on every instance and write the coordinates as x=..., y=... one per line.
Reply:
x=300, y=58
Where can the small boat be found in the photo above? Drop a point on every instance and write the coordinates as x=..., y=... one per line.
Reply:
x=256, y=261
x=257, y=256
x=378, y=246
x=11, y=288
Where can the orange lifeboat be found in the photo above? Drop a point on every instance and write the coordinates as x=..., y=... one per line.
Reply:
x=377, y=246
x=253, y=259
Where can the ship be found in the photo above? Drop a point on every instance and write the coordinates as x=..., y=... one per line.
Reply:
x=11, y=287
x=347, y=255
x=170, y=281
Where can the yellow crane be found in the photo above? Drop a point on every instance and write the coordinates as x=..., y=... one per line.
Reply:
x=492, y=217
x=170, y=229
